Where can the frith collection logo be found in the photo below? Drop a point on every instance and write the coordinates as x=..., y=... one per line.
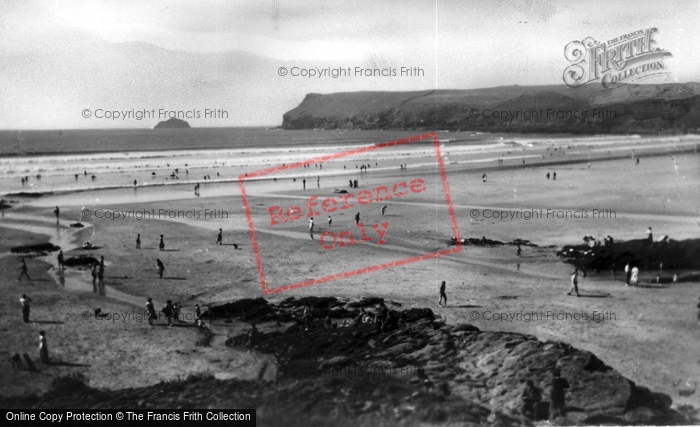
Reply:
x=621, y=60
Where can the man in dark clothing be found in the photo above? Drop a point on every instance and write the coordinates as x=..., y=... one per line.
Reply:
x=161, y=245
x=357, y=218
x=219, y=238
x=443, y=295
x=168, y=311
x=161, y=268
x=24, y=270
x=60, y=260
x=138, y=241
x=25, y=300
x=557, y=396
x=151, y=311
x=56, y=212
x=530, y=399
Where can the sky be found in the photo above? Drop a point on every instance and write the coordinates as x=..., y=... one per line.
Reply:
x=59, y=59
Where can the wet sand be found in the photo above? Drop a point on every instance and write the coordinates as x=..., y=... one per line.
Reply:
x=652, y=338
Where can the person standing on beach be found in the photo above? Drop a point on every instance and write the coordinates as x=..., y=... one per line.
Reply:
x=318, y=181
x=161, y=245
x=547, y=176
x=138, y=241
x=43, y=348
x=634, y=278
x=530, y=398
x=60, y=260
x=101, y=275
x=443, y=295
x=168, y=311
x=628, y=274
x=554, y=176
x=330, y=220
x=483, y=178
x=311, y=228
x=25, y=300
x=557, y=396
x=24, y=271
x=94, y=275
x=56, y=212
x=304, y=182
x=151, y=311
x=161, y=268
x=220, y=237
x=197, y=312
x=574, y=282
x=519, y=251
x=650, y=235
x=384, y=209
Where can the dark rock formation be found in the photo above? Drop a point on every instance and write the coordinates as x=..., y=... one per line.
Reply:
x=80, y=261
x=172, y=124
x=667, y=108
x=674, y=254
x=40, y=248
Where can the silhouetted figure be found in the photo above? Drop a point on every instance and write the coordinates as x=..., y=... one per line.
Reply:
x=43, y=348
x=60, y=260
x=574, y=282
x=304, y=182
x=554, y=176
x=168, y=311
x=161, y=245
x=151, y=311
x=650, y=235
x=161, y=268
x=24, y=271
x=330, y=221
x=443, y=295
x=557, y=396
x=56, y=212
x=530, y=398
x=138, y=241
x=483, y=178
x=219, y=238
x=357, y=218
x=547, y=176
x=384, y=209
x=25, y=300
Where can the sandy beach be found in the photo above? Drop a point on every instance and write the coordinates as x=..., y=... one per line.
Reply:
x=647, y=333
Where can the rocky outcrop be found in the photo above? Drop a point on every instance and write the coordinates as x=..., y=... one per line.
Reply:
x=172, y=124
x=668, y=108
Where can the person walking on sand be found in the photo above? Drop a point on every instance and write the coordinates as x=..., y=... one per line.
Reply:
x=161, y=268
x=168, y=311
x=384, y=209
x=574, y=282
x=25, y=300
x=443, y=295
x=557, y=396
x=357, y=218
x=519, y=251
x=60, y=260
x=483, y=178
x=161, y=245
x=330, y=220
x=176, y=312
x=151, y=311
x=304, y=182
x=634, y=277
x=57, y=212
x=24, y=270
x=220, y=237
x=138, y=241
x=43, y=348
x=311, y=228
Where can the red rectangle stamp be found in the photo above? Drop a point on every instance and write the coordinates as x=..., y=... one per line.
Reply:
x=378, y=246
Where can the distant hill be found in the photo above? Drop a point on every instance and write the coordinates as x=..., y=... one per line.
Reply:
x=172, y=124
x=664, y=108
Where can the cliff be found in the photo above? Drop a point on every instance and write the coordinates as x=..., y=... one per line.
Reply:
x=668, y=108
